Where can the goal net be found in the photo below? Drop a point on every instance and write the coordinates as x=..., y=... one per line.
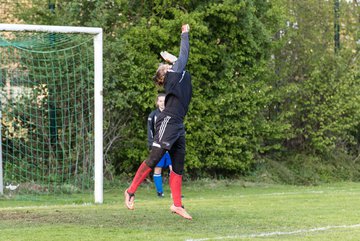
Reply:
x=51, y=109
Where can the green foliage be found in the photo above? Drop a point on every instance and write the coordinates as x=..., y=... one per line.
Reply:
x=316, y=86
x=305, y=169
x=266, y=78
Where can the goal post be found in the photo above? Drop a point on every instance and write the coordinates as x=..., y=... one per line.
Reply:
x=97, y=35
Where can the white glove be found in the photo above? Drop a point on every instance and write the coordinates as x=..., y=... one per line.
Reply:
x=168, y=57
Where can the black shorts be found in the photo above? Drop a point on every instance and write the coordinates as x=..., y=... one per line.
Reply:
x=168, y=131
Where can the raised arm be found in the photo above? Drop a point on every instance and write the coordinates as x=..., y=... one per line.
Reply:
x=181, y=62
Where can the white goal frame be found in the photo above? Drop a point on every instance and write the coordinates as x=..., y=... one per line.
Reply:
x=98, y=94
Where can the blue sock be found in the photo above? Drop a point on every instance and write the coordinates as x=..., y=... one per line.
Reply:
x=158, y=182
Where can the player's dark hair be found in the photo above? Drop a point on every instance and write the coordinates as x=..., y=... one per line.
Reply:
x=158, y=96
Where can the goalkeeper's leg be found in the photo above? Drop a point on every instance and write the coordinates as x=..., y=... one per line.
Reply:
x=142, y=172
x=177, y=154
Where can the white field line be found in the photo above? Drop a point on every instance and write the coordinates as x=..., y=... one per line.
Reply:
x=277, y=233
x=312, y=192
x=46, y=206
x=292, y=193
x=327, y=192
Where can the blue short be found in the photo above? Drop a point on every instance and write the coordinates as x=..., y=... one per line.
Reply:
x=165, y=161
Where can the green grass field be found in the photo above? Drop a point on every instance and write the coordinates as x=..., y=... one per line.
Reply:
x=222, y=210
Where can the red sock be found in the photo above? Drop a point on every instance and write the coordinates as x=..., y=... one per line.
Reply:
x=175, y=183
x=142, y=172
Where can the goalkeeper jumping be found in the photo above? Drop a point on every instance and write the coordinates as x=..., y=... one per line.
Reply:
x=170, y=130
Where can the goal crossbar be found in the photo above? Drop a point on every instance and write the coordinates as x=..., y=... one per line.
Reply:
x=98, y=91
x=49, y=28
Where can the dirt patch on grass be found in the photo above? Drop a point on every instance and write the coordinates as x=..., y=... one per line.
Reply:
x=30, y=217
x=56, y=216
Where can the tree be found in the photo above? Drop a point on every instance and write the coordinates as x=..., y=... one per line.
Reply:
x=266, y=78
x=317, y=87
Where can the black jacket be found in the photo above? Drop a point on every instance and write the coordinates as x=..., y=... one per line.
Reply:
x=177, y=84
x=151, y=126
